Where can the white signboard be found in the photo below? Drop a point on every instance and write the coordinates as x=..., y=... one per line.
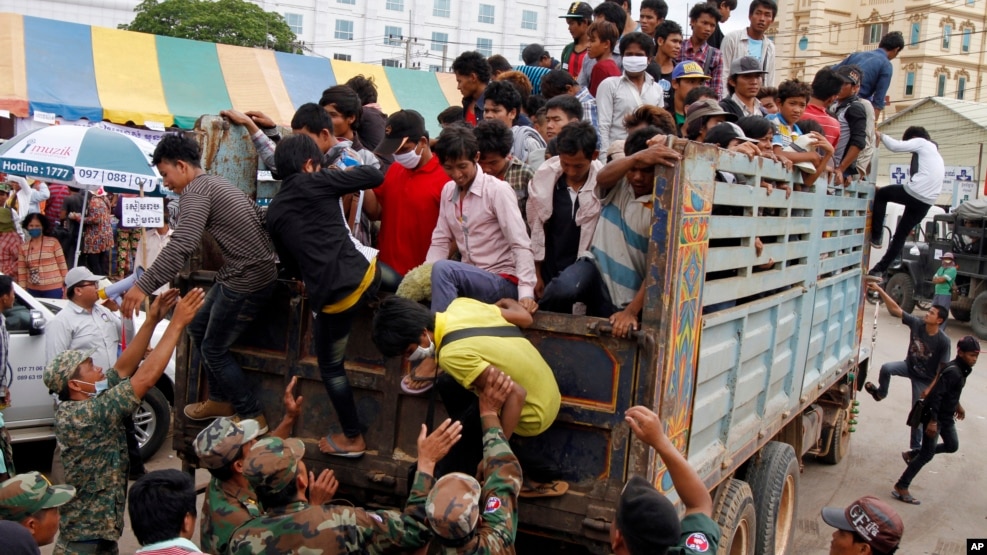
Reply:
x=142, y=212
x=959, y=180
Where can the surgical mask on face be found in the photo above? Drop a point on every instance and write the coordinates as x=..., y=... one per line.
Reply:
x=410, y=159
x=422, y=353
x=635, y=64
x=34, y=233
x=100, y=386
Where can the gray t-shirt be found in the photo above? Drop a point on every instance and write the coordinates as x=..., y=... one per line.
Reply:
x=926, y=353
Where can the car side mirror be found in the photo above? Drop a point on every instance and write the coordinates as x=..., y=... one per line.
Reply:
x=38, y=323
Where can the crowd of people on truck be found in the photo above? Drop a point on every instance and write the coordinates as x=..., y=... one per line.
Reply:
x=536, y=195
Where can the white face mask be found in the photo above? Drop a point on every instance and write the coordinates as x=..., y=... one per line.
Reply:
x=635, y=64
x=422, y=353
x=100, y=386
x=410, y=159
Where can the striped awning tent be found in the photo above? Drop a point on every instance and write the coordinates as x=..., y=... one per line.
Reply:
x=83, y=72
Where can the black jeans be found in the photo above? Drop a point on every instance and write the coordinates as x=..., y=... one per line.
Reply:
x=332, y=332
x=915, y=210
x=931, y=448
x=466, y=454
x=580, y=282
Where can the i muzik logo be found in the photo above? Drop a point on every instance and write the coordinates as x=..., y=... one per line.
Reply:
x=31, y=146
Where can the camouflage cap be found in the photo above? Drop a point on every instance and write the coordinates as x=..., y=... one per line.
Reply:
x=25, y=494
x=272, y=463
x=219, y=443
x=453, y=506
x=59, y=371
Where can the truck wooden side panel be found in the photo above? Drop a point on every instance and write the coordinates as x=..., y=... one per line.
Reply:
x=724, y=383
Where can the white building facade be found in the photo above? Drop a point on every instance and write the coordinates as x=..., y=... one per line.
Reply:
x=425, y=34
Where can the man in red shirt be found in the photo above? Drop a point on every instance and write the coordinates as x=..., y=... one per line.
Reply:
x=407, y=203
x=825, y=86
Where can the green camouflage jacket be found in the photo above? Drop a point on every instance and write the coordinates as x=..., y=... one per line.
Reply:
x=336, y=529
x=94, y=454
x=501, y=485
x=225, y=508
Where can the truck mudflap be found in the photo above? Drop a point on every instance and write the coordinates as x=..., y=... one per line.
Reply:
x=725, y=382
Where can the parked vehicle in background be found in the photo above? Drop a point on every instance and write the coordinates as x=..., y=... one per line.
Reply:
x=31, y=415
x=744, y=391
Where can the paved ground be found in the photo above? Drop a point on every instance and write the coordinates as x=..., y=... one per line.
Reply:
x=951, y=487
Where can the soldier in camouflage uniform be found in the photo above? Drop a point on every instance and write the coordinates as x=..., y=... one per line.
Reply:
x=221, y=447
x=454, y=506
x=89, y=425
x=275, y=469
x=31, y=500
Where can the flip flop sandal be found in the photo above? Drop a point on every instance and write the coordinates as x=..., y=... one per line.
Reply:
x=873, y=390
x=554, y=488
x=905, y=498
x=411, y=376
x=338, y=451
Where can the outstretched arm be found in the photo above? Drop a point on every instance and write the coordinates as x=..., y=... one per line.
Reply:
x=893, y=307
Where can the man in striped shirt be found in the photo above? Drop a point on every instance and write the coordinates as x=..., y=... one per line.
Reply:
x=244, y=283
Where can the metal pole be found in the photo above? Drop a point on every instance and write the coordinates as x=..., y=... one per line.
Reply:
x=82, y=218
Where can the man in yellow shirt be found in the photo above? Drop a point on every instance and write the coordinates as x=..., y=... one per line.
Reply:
x=477, y=341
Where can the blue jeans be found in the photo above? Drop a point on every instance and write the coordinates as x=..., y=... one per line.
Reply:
x=331, y=333
x=930, y=448
x=900, y=368
x=580, y=282
x=224, y=315
x=451, y=279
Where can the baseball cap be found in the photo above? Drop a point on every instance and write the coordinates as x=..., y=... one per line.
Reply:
x=578, y=10
x=646, y=518
x=218, y=444
x=745, y=66
x=78, y=275
x=453, y=506
x=25, y=494
x=689, y=70
x=59, y=371
x=706, y=107
x=4, y=187
x=725, y=132
x=272, y=463
x=401, y=126
x=948, y=255
x=968, y=344
x=871, y=518
x=849, y=75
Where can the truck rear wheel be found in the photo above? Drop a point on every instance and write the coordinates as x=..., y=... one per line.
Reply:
x=737, y=519
x=839, y=440
x=773, y=477
x=978, y=315
x=901, y=288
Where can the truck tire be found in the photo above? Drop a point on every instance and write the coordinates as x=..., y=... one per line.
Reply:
x=960, y=314
x=901, y=288
x=151, y=419
x=839, y=441
x=978, y=315
x=773, y=477
x=737, y=519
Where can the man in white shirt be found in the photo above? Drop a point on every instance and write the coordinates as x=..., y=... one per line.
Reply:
x=618, y=96
x=752, y=41
x=917, y=196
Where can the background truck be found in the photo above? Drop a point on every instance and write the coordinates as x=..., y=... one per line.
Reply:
x=745, y=391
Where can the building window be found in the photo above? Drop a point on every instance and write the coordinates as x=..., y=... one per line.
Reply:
x=390, y=62
x=947, y=32
x=529, y=20
x=960, y=88
x=350, y=2
x=874, y=33
x=439, y=40
x=910, y=83
x=520, y=53
x=486, y=13
x=344, y=29
x=392, y=35
x=941, y=85
x=965, y=44
x=342, y=57
x=916, y=31
x=395, y=5
x=484, y=46
x=971, y=2
x=442, y=8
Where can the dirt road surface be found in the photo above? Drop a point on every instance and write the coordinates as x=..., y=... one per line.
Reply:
x=952, y=488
